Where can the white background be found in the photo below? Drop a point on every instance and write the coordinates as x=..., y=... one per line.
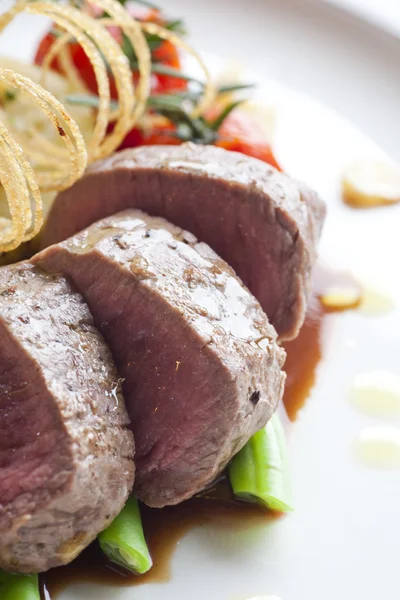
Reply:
x=386, y=12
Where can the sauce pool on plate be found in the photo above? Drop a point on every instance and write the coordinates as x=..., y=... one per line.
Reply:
x=333, y=292
x=164, y=528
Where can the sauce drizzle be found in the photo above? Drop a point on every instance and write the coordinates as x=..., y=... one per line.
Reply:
x=333, y=292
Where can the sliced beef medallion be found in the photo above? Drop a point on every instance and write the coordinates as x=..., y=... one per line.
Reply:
x=66, y=464
x=201, y=364
x=264, y=224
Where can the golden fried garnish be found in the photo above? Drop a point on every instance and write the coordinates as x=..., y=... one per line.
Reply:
x=42, y=147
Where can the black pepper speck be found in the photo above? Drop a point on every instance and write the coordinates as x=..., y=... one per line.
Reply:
x=255, y=397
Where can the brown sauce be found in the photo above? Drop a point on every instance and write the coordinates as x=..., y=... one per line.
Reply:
x=306, y=351
x=303, y=357
x=164, y=529
x=217, y=507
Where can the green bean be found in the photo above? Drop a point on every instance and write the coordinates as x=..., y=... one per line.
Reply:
x=19, y=587
x=123, y=541
x=260, y=471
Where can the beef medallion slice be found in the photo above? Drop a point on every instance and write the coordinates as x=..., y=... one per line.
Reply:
x=192, y=344
x=66, y=464
x=264, y=224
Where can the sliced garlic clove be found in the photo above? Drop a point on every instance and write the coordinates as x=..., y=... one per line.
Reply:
x=368, y=183
x=340, y=298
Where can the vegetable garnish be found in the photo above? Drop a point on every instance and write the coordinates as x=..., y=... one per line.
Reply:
x=113, y=39
x=106, y=57
x=19, y=587
x=191, y=109
x=22, y=192
x=122, y=60
x=260, y=471
x=56, y=168
x=123, y=542
x=68, y=132
x=370, y=183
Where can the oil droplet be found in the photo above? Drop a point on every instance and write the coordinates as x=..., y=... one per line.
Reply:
x=375, y=303
x=379, y=447
x=376, y=394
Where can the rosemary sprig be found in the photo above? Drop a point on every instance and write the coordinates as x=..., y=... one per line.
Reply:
x=176, y=106
x=144, y=2
x=177, y=109
x=236, y=87
x=178, y=26
x=88, y=100
x=218, y=121
x=154, y=42
x=162, y=69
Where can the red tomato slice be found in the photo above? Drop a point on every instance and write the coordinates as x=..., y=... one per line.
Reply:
x=239, y=132
x=79, y=58
x=165, y=54
x=159, y=137
x=242, y=133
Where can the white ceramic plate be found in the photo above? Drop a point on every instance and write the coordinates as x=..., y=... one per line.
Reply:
x=343, y=541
